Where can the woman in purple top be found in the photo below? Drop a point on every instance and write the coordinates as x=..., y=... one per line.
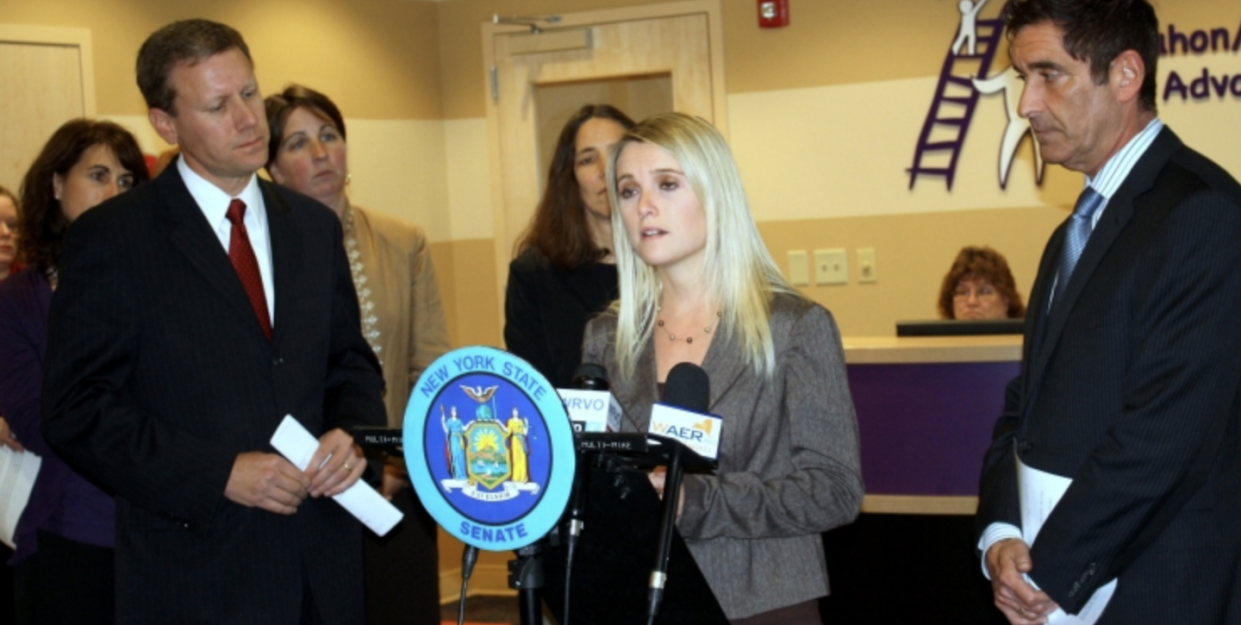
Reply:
x=63, y=561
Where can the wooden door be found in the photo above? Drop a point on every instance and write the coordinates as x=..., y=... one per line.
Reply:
x=44, y=82
x=677, y=44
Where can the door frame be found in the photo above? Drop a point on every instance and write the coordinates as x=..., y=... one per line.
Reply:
x=79, y=38
x=719, y=105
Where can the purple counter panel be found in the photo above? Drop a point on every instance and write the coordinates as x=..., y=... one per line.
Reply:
x=926, y=426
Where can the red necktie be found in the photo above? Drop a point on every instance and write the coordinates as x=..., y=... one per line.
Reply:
x=247, y=266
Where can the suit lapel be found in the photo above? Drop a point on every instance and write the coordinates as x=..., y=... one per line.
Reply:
x=1117, y=214
x=191, y=235
x=286, y=242
x=723, y=365
x=642, y=389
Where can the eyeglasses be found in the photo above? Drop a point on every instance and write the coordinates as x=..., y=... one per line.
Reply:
x=964, y=292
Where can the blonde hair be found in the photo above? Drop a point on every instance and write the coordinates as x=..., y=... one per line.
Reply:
x=743, y=276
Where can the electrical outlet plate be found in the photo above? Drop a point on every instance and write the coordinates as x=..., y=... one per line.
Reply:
x=867, y=270
x=799, y=268
x=831, y=267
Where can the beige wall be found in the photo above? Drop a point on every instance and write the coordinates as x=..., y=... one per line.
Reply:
x=377, y=58
x=823, y=120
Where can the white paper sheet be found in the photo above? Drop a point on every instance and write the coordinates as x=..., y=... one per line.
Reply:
x=297, y=445
x=17, y=474
x=1040, y=492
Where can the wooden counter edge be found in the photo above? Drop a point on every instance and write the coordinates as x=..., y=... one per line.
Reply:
x=921, y=350
x=919, y=504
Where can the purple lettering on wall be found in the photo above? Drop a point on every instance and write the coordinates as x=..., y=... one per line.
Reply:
x=1204, y=87
x=1219, y=39
x=1174, y=84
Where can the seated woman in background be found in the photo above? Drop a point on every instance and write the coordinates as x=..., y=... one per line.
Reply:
x=697, y=285
x=564, y=272
x=8, y=234
x=64, y=558
x=980, y=286
x=402, y=320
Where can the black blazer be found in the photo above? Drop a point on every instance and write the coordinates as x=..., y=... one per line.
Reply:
x=1129, y=386
x=546, y=309
x=158, y=375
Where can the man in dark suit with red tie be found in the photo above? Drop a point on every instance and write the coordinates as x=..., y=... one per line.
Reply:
x=1110, y=493
x=191, y=316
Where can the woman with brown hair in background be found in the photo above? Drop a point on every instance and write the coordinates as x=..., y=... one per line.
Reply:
x=402, y=320
x=63, y=564
x=565, y=272
x=980, y=286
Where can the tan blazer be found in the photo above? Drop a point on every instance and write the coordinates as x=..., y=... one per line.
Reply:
x=408, y=316
x=789, y=462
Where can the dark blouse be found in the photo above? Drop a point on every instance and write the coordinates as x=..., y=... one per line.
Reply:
x=61, y=502
x=546, y=309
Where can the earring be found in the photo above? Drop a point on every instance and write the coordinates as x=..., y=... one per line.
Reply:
x=348, y=179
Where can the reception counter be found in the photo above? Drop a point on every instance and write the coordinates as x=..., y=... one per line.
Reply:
x=925, y=408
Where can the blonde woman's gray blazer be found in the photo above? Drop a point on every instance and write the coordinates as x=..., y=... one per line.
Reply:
x=789, y=466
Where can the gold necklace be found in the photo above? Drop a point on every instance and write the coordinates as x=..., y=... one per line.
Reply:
x=689, y=340
x=366, y=307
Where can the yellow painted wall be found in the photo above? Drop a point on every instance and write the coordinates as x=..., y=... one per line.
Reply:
x=823, y=117
x=378, y=59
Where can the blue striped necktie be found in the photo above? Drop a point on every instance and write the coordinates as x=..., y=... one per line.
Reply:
x=1075, y=237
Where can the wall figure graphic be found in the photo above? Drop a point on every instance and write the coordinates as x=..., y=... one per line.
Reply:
x=1009, y=83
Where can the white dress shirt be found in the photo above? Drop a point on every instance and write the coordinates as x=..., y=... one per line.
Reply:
x=213, y=202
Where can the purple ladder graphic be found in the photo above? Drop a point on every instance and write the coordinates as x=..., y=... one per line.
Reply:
x=955, y=118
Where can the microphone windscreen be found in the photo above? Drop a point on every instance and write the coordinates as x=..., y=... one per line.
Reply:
x=688, y=387
x=591, y=377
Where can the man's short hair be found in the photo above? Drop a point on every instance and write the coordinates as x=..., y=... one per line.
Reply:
x=1097, y=31
x=186, y=41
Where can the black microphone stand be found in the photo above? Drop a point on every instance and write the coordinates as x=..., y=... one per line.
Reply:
x=671, y=496
x=525, y=575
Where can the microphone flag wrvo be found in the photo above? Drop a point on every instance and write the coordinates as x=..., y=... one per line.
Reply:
x=489, y=448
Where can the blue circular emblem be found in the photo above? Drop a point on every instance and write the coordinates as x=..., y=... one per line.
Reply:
x=489, y=448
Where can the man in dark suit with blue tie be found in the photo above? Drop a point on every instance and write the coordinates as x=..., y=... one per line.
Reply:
x=192, y=315
x=1110, y=491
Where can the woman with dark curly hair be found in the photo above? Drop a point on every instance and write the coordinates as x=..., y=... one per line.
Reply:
x=63, y=562
x=565, y=272
x=980, y=286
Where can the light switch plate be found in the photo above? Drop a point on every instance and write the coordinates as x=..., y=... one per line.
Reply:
x=867, y=270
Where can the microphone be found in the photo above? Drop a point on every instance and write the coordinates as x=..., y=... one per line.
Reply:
x=591, y=377
x=589, y=400
x=687, y=387
x=585, y=403
x=591, y=407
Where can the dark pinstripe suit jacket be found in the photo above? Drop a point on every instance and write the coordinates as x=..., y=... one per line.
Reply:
x=157, y=376
x=1129, y=386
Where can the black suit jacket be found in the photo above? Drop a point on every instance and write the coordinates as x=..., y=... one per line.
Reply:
x=1129, y=386
x=546, y=309
x=158, y=375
